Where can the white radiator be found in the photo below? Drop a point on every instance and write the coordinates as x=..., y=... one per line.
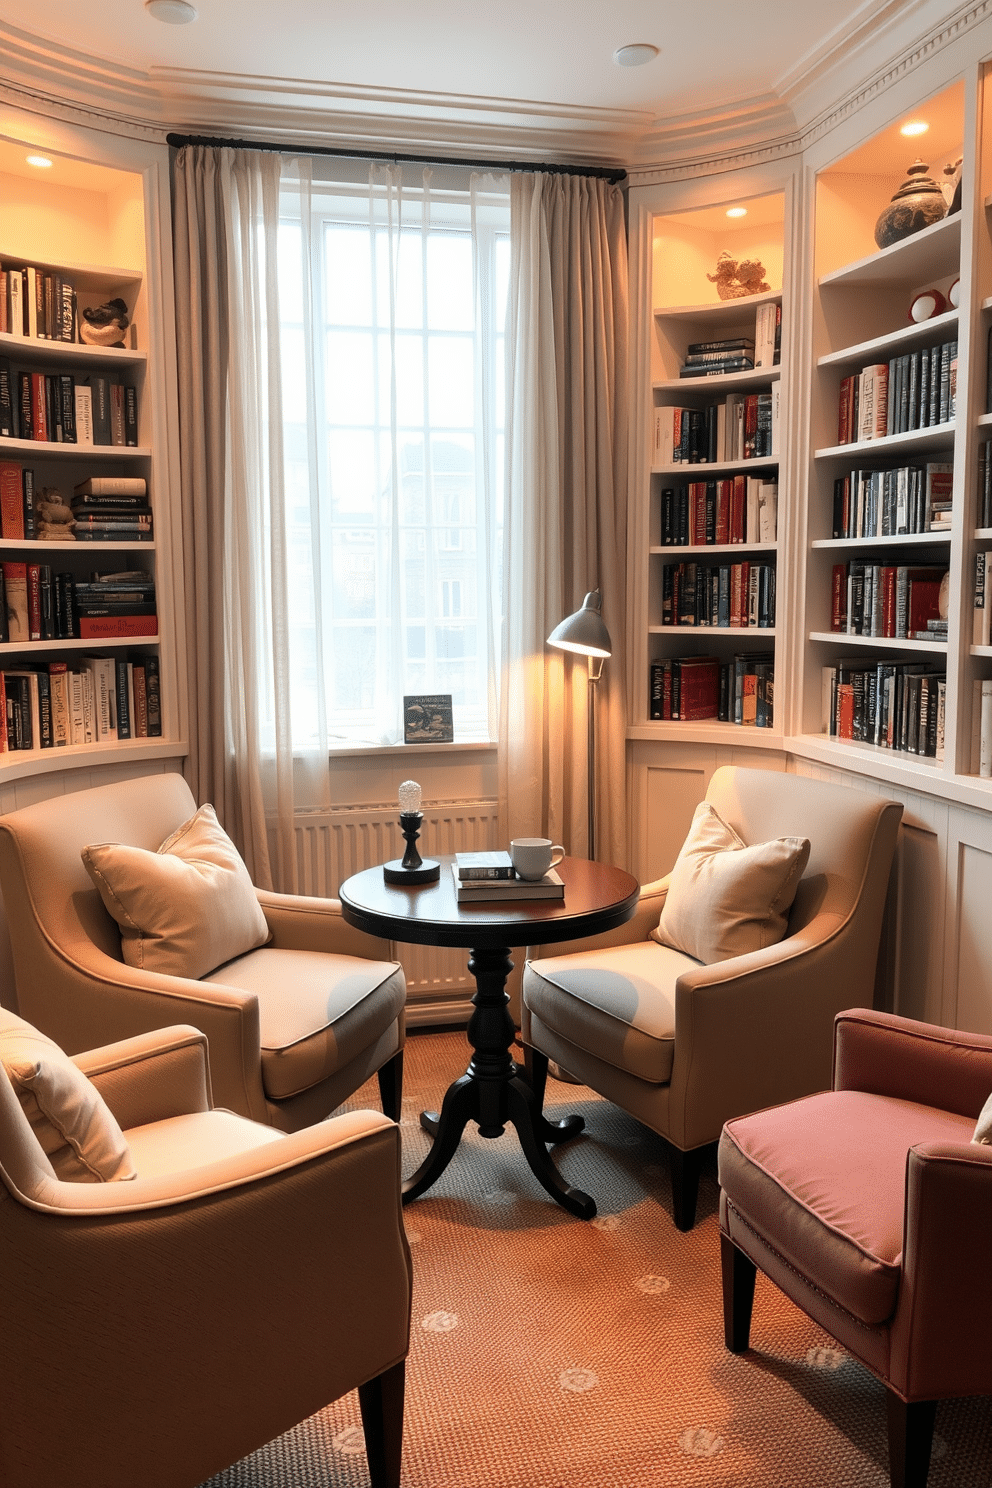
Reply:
x=332, y=845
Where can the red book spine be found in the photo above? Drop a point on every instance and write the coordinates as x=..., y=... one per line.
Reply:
x=724, y=492
x=844, y=410
x=888, y=601
x=34, y=602
x=845, y=710
x=11, y=500
x=750, y=425
x=97, y=627
x=738, y=506
x=39, y=407
x=700, y=691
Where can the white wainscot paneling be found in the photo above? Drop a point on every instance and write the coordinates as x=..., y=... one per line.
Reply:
x=970, y=915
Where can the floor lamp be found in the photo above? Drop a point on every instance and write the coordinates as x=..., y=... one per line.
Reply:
x=586, y=635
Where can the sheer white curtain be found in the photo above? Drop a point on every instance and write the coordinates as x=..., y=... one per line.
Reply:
x=565, y=530
x=311, y=541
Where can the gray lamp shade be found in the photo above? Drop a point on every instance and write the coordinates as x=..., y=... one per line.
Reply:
x=584, y=632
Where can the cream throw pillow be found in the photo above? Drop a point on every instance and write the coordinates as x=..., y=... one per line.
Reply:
x=185, y=909
x=68, y=1115
x=983, y=1126
x=724, y=898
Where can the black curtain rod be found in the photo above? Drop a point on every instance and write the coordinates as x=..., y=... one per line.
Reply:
x=613, y=174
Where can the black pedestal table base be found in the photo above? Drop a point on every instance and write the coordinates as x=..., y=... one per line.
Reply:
x=494, y=1093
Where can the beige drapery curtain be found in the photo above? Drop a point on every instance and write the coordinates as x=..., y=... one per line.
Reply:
x=565, y=529
x=226, y=214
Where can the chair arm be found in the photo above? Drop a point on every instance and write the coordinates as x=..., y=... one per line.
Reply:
x=244, y=1168
x=152, y=1076
x=304, y=923
x=755, y=1030
x=883, y=1054
x=99, y=997
x=644, y=920
x=944, y=1316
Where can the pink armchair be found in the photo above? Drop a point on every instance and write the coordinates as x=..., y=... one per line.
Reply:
x=871, y=1208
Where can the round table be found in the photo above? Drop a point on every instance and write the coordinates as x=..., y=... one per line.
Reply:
x=493, y=1090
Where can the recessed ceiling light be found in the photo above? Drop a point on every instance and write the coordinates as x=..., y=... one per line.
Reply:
x=173, y=12
x=917, y=126
x=635, y=55
x=737, y=211
x=41, y=161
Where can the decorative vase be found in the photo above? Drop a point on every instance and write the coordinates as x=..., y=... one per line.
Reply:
x=918, y=203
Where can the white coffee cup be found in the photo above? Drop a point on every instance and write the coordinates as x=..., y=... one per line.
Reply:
x=533, y=856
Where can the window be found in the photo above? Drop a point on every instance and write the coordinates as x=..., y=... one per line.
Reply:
x=392, y=308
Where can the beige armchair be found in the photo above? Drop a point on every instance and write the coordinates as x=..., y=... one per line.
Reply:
x=685, y=1046
x=159, y=1329
x=295, y=1026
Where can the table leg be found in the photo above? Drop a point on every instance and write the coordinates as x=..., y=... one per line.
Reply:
x=493, y=1092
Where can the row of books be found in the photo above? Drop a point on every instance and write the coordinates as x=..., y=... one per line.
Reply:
x=104, y=508
x=63, y=408
x=914, y=391
x=92, y=700
x=37, y=302
x=984, y=484
x=894, y=705
x=887, y=503
x=686, y=689
x=39, y=605
x=890, y=600
x=739, y=509
x=727, y=595
x=744, y=426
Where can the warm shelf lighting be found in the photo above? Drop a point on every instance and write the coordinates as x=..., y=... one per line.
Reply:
x=42, y=162
x=737, y=211
x=916, y=126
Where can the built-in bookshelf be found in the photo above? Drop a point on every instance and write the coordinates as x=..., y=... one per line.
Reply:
x=714, y=496
x=90, y=653
x=881, y=616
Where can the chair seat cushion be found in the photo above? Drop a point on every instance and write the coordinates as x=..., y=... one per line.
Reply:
x=193, y=1140
x=618, y=1003
x=822, y=1181
x=317, y=1011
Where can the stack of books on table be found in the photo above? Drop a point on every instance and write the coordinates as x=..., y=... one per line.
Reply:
x=117, y=604
x=489, y=877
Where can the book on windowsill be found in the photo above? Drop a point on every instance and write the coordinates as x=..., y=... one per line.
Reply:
x=490, y=890
x=484, y=865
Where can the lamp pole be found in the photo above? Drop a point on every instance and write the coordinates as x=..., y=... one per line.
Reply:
x=585, y=634
x=595, y=665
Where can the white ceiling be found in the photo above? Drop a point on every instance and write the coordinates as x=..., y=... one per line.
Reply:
x=460, y=63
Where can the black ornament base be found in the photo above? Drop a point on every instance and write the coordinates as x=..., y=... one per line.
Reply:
x=428, y=872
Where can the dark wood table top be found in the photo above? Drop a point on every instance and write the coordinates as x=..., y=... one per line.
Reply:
x=597, y=898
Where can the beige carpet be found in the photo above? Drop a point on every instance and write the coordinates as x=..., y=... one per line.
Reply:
x=548, y=1352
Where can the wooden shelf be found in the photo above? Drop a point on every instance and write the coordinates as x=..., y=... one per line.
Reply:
x=918, y=333
x=933, y=437
x=883, y=643
x=930, y=254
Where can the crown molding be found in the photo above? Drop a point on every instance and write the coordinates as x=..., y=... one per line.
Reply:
x=45, y=77
x=760, y=145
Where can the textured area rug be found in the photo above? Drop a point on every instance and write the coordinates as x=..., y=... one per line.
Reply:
x=550, y=1352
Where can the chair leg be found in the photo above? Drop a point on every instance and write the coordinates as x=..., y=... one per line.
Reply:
x=391, y=1087
x=685, y=1168
x=739, y=1273
x=910, y=1439
x=381, y=1401
x=536, y=1073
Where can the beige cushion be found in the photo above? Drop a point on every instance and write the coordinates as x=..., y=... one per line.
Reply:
x=983, y=1126
x=185, y=909
x=317, y=1011
x=618, y=1004
x=725, y=898
x=68, y=1115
